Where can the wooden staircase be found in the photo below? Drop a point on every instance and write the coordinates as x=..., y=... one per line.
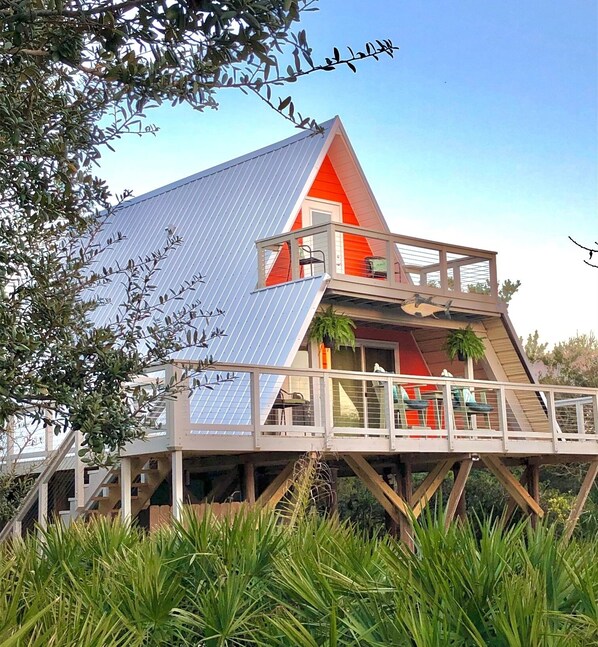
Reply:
x=103, y=490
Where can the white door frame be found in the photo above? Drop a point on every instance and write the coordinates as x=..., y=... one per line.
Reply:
x=335, y=209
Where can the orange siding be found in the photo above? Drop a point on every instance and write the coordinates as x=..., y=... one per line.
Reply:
x=411, y=362
x=327, y=186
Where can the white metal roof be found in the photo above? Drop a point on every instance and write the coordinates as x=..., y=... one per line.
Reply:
x=220, y=213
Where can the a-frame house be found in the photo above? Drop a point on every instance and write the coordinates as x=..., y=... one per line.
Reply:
x=279, y=235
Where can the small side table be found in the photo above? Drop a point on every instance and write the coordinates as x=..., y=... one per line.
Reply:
x=436, y=397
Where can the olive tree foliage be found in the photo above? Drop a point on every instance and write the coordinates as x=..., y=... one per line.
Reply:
x=74, y=77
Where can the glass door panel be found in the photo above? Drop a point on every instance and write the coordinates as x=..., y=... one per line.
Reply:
x=348, y=396
x=374, y=393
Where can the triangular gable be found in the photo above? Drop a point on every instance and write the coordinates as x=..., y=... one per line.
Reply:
x=337, y=168
x=337, y=177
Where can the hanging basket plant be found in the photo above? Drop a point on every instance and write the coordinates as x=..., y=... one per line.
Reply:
x=332, y=328
x=464, y=343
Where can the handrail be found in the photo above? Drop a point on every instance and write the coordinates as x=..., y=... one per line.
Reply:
x=400, y=377
x=47, y=472
x=382, y=235
x=443, y=273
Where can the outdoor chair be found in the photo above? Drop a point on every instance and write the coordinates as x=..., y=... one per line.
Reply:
x=403, y=403
x=310, y=257
x=468, y=405
x=294, y=401
x=376, y=267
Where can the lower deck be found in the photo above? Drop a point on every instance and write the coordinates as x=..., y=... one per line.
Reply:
x=248, y=434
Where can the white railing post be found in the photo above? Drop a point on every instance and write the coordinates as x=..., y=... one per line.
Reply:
x=332, y=250
x=42, y=505
x=79, y=472
x=493, y=277
x=178, y=409
x=503, y=424
x=595, y=412
x=580, y=422
x=328, y=411
x=125, y=488
x=443, y=271
x=48, y=438
x=177, y=484
x=390, y=413
x=317, y=389
x=552, y=423
x=457, y=278
x=449, y=417
x=254, y=384
x=390, y=266
x=295, y=274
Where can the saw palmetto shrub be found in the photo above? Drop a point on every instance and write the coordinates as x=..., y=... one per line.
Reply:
x=260, y=580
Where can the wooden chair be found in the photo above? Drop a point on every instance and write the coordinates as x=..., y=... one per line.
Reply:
x=376, y=267
x=403, y=403
x=470, y=408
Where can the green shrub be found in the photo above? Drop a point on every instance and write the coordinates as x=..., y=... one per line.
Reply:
x=258, y=581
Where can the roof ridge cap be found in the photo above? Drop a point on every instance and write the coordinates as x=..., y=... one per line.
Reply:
x=224, y=166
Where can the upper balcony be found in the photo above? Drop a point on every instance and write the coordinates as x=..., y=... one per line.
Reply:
x=383, y=266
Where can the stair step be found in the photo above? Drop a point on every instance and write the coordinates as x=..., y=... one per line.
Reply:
x=107, y=498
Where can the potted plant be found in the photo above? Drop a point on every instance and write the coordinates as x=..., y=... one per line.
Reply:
x=464, y=343
x=332, y=328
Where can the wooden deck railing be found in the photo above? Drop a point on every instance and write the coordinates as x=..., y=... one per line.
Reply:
x=364, y=412
x=344, y=411
x=354, y=254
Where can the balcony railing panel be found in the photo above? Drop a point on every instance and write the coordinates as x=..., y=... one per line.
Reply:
x=349, y=253
x=349, y=411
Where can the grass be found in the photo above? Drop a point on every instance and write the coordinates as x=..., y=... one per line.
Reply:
x=257, y=581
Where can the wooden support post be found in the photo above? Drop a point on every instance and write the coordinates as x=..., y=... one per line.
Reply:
x=277, y=489
x=125, y=488
x=461, y=472
x=429, y=485
x=221, y=486
x=580, y=500
x=512, y=485
x=512, y=504
x=533, y=487
x=177, y=484
x=390, y=477
x=405, y=490
x=392, y=502
x=249, y=489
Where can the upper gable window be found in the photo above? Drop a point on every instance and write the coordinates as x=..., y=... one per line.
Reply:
x=320, y=212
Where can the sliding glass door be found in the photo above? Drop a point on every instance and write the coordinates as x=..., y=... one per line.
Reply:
x=359, y=403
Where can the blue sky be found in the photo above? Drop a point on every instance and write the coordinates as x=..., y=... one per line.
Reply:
x=483, y=131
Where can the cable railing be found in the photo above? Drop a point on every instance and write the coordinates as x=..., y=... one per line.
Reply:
x=353, y=254
x=278, y=409
x=273, y=409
